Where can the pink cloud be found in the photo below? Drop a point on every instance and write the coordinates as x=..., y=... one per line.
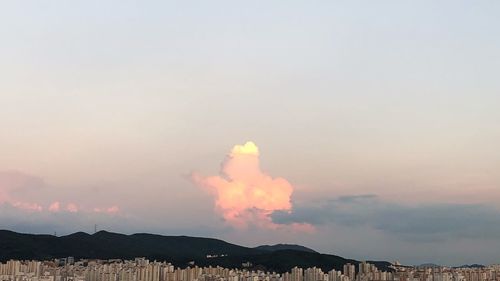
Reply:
x=33, y=207
x=55, y=207
x=109, y=210
x=3, y=195
x=13, y=183
x=72, y=208
x=17, y=189
x=113, y=210
x=243, y=193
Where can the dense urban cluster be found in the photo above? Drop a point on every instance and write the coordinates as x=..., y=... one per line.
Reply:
x=142, y=269
x=436, y=273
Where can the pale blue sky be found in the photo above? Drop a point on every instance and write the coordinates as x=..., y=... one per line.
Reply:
x=109, y=101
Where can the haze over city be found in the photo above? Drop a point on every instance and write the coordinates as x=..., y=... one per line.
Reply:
x=366, y=129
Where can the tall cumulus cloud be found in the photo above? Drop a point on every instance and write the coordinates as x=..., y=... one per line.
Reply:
x=244, y=194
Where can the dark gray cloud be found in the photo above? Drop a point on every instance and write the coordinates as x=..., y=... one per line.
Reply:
x=430, y=222
x=352, y=198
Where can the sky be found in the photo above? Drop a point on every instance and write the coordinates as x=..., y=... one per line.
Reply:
x=366, y=129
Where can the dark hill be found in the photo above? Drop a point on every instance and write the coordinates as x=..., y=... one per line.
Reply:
x=279, y=247
x=106, y=245
x=176, y=249
x=471, y=266
x=284, y=260
x=429, y=265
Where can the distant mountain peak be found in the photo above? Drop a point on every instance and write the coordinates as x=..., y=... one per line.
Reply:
x=280, y=247
x=475, y=265
x=80, y=233
x=429, y=265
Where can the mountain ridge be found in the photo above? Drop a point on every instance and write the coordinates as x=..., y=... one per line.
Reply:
x=278, y=247
x=179, y=250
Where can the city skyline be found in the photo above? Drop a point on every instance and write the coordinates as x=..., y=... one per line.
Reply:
x=365, y=129
x=142, y=269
